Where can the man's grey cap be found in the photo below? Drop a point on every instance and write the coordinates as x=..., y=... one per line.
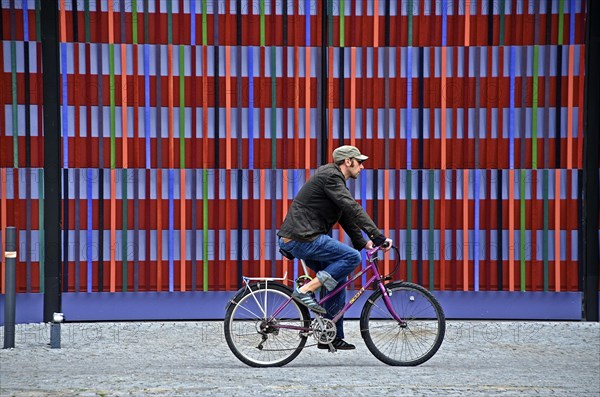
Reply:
x=347, y=152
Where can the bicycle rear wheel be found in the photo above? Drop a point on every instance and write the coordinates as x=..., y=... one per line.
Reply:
x=255, y=336
x=410, y=342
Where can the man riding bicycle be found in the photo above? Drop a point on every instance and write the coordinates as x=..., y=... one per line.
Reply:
x=321, y=203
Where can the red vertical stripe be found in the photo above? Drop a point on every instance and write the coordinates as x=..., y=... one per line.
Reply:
x=465, y=230
x=511, y=230
x=228, y=109
x=228, y=167
x=307, y=107
x=123, y=102
x=284, y=209
x=580, y=105
x=330, y=81
x=159, y=242
x=570, y=108
x=113, y=229
x=557, y=230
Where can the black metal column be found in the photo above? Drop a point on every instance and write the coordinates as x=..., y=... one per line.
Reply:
x=10, y=300
x=52, y=156
x=591, y=148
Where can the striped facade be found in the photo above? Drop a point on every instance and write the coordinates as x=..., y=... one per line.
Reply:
x=189, y=126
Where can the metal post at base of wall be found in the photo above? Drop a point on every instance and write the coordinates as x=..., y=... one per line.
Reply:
x=10, y=253
x=55, y=335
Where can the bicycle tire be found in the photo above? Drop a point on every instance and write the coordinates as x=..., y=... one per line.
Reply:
x=245, y=328
x=408, y=345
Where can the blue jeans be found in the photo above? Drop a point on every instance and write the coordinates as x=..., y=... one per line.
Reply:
x=333, y=261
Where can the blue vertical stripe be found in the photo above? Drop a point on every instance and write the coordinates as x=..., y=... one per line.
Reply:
x=65, y=109
x=572, y=22
x=26, y=22
x=171, y=232
x=307, y=21
x=147, y=103
x=511, y=114
x=444, y=22
x=193, y=24
x=251, y=108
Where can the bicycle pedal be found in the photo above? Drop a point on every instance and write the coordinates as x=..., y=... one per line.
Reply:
x=300, y=281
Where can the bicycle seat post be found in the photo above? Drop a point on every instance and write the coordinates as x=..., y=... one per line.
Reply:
x=304, y=267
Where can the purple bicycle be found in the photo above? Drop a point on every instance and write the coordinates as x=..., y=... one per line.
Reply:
x=402, y=323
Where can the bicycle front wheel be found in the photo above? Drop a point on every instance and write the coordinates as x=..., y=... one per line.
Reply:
x=258, y=338
x=414, y=339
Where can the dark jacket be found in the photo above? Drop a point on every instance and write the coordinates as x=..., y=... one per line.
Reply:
x=322, y=202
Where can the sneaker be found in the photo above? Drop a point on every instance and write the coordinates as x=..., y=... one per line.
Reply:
x=308, y=300
x=339, y=344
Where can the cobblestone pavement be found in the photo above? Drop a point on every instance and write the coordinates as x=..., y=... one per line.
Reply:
x=190, y=359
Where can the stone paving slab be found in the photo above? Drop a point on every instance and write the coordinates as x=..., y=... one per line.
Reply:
x=477, y=358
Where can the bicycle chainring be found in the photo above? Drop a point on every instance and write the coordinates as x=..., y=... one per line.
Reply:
x=324, y=331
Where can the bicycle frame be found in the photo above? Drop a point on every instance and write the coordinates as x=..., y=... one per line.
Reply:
x=376, y=277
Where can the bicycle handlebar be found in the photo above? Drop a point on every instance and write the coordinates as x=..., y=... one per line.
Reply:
x=372, y=252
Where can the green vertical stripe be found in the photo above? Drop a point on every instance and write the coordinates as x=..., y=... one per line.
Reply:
x=431, y=252
x=409, y=225
x=204, y=24
x=124, y=180
x=205, y=229
x=522, y=239
x=181, y=106
x=38, y=20
x=86, y=13
x=170, y=22
x=111, y=56
x=134, y=21
x=534, y=143
x=15, y=124
x=273, y=109
x=545, y=234
x=41, y=223
x=262, y=22
x=410, y=22
x=342, y=24
x=502, y=7
x=561, y=13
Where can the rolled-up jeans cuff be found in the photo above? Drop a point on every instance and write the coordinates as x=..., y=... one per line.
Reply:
x=328, y=282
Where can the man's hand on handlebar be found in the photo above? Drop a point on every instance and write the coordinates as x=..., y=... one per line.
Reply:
x=387, y=245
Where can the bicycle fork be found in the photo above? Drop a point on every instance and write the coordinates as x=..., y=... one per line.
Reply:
x=388, y=303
